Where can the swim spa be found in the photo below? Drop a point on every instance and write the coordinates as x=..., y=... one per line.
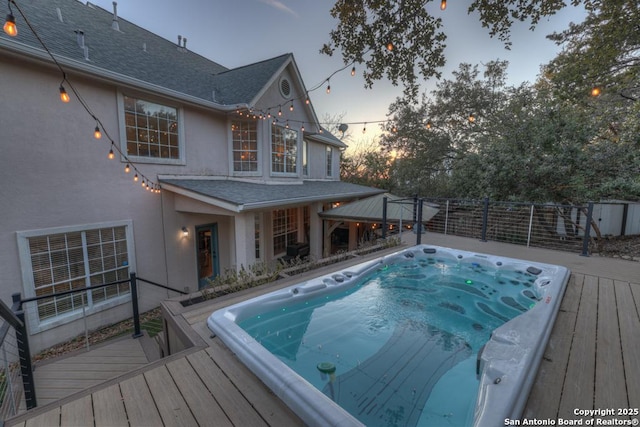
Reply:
x=424, y=336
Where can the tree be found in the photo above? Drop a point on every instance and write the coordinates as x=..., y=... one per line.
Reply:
x=431, y=137
x=367, y=166
x=404, y=41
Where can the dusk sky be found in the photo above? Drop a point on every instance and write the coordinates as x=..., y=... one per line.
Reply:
x=239, y=32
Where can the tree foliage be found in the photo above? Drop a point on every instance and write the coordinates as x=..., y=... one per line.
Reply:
x=403, y=41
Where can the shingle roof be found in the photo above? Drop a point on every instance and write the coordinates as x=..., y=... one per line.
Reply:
x=370, y=210
x=137, y=53
x=249, y=195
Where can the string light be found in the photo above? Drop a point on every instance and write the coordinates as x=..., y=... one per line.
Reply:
x=135, y=178
x=111, y=154
x=127, y=168
x=389, y=46
x=96, y=133
x=10, y=27
x=364, y=128
x=302, y=127
x=328, y=87
x=443, y=4
x=307, y=101
x=428, y=125
x=596, y=91
x=353, y=71
x=279, y=110
x=64, y=96
x=291, y=106
x=472, y=118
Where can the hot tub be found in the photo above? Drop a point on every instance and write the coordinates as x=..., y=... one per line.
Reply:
x=406, y=339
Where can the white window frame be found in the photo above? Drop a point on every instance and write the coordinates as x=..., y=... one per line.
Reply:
x=297, y=154
x=305, y=157
x=259, y=149
x=33, y=321
x=329, y=161
x=181, y=160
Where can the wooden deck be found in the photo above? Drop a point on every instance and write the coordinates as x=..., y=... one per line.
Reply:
x=80, y=371
x=592, y=361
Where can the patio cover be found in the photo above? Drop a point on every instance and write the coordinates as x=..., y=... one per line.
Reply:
x=242, y=196
x=370, y=210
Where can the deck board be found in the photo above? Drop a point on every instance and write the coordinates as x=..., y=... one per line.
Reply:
x=274, y=411
x=173, y=409
x=610, y=389
x=108, y=407
x=202, y=404
x=579, y=378
x=628, y=300
x=138, y=402
x=77, y=412
x=545, y=395
x=238, y=409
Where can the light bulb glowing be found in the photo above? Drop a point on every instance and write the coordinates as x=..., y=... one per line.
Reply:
x=306, y=101
x=64, y=96
x=472, y=118
x=353, y=71
x=135, y=178
x=143, y=184
x=328, y=89
x=291, y=106
x=96, y=133
x=443, y=4
x=10, y=26
x=428, y=125
x=389, y=46
x=279, y=111
x=302, y=128
x=596, y=91
x=127, y=168
x=111, y=154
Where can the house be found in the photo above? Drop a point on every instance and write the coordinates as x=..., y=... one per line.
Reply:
x=198, y=169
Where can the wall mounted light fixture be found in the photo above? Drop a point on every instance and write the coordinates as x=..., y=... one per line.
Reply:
x=185, y=232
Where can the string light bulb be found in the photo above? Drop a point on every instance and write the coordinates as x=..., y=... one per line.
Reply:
x=64, y=96
x=364, y=128
x=472, y=118
x=389, y=46
x=428, y=125
x=127, y=168
x=353, y=71
x=10, y=27
x=328, y=87
x=307, y=101
x=443, y=4
x=596, y=91
x=302, y=127
x=111, y=154
x=291, y=106
x=135, y=178
x=279, y=111
x=96, y=133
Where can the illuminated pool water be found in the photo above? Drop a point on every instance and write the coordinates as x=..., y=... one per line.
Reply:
x=399, y=341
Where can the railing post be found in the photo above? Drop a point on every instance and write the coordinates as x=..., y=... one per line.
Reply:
x=419, y=223
x=446, y=217
x=134, y=303
x=24, y=353
x=587, y=231
x=485, y=219
x=530, y=226
x=384, y=217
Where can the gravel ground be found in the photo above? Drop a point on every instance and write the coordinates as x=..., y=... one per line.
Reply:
x=624, y=247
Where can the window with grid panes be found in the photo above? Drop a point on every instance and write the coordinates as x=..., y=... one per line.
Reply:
x=329, y=161
x=284, y=150
x=285, y=229
x=75, y=260
x=151, y=129
x=245, y=146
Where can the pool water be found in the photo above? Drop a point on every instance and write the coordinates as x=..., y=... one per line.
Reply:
x=399, y=348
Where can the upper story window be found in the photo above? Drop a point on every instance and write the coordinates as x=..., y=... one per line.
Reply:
x=305, y=157
x=152, y=131
x=284, y=150
x=245, y=146
x=329, y=161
